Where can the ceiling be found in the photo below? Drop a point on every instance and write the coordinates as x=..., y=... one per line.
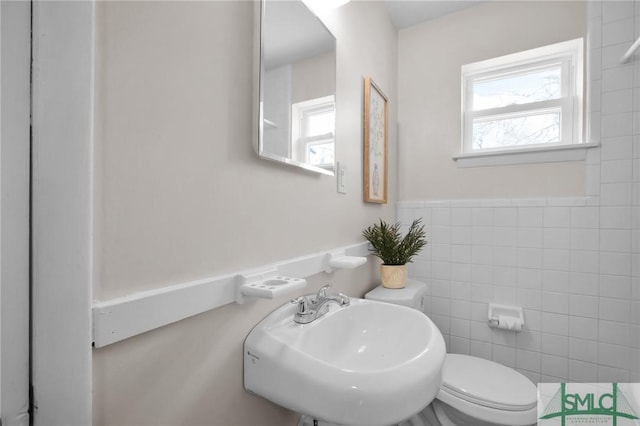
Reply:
x=291, y=32
x=405, y=13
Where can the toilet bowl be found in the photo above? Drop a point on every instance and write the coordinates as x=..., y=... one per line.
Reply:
x=479, y=392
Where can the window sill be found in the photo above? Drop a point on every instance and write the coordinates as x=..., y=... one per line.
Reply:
x=575, y=152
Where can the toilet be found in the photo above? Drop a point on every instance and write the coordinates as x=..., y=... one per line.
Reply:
x=474, y=391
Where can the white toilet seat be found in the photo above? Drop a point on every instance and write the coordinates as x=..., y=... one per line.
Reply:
x=487, y=391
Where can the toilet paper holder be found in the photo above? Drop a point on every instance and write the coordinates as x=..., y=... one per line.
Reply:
x=506, y=317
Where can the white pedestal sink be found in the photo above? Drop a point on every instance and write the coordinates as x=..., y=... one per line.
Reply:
x=370, y=363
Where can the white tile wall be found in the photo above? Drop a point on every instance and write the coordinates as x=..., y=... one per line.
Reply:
x=573, y=264
x=570, y=270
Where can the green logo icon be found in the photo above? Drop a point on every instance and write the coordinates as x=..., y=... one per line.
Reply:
x=589, y=404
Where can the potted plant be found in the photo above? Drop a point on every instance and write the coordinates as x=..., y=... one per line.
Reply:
x=394, y=250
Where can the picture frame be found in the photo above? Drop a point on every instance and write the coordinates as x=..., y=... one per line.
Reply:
x=375, y=129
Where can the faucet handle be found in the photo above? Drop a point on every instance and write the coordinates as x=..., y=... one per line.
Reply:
x=322, y=293
x=344, y=299
x=302, y=302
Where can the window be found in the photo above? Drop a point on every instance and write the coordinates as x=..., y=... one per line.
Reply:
x=527, y=100
x=313, y=130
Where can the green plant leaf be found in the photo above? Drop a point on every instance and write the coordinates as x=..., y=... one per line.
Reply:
x=390, y=246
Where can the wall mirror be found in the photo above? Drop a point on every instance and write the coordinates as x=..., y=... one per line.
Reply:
x=297, y=87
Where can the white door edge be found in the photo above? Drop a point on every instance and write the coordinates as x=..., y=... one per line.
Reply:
x=62, y=170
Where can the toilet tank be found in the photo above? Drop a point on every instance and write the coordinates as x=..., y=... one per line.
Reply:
x=410, y=296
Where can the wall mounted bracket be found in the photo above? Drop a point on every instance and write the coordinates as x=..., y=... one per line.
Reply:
x=265, y=284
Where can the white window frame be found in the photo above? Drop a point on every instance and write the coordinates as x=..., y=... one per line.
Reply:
x=300, y=113
x=570, y=56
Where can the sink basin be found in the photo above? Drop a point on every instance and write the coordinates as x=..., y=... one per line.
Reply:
x=370, y=363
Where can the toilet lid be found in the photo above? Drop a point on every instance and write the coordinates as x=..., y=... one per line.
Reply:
x=487, y=383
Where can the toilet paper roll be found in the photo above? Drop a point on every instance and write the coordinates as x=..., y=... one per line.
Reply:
x=509, y=323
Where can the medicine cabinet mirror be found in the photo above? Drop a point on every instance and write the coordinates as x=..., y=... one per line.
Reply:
x=297, y=82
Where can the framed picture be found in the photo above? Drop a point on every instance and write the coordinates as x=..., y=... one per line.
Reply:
x=375, y=143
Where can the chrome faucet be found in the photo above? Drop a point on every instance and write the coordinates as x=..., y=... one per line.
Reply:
x=310, y=308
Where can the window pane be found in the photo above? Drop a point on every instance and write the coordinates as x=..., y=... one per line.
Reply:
x=321, y=153
x=535, y=129
x=320, y=123
x=534, y=86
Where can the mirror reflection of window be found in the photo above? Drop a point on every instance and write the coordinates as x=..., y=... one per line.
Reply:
x=321, y=154
x=313, y=131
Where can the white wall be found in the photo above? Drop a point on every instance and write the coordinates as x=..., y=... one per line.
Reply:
x=313, y=77
x=277, y=110
x=430, y=56
x=176, y=172
x=571, y=262
x=180, y=195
